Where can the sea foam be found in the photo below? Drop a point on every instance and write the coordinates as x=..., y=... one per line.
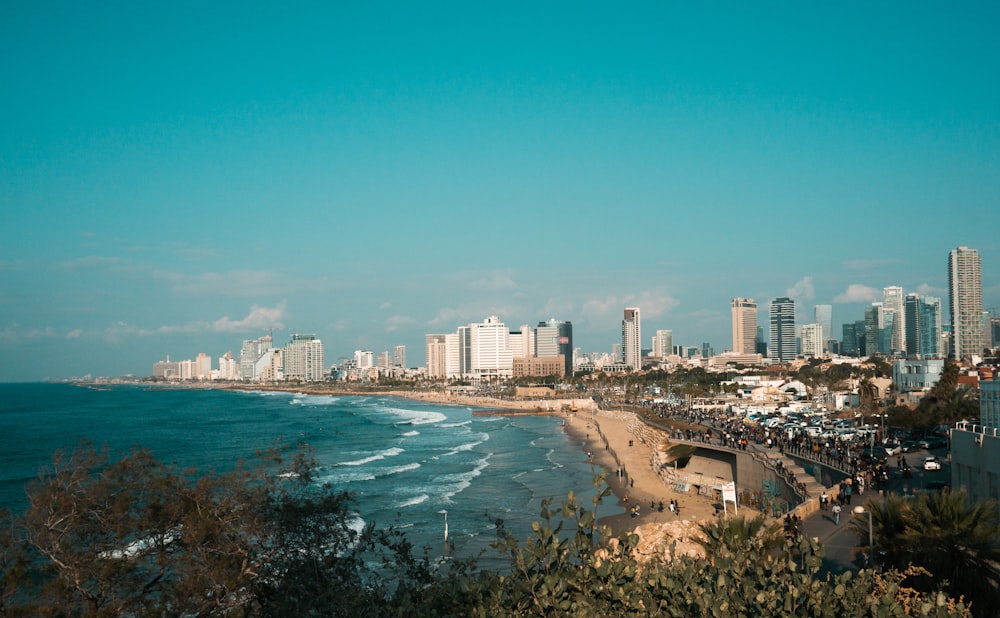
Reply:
x=389, y=452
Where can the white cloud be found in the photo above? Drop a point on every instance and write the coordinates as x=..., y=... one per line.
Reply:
x=651, y=304
x=259, y=318
x=452, y=317
x=802, y=290
x=396, y=322
x=857, y=293
x=925, y=289
x=386, y=305
x=76, y=333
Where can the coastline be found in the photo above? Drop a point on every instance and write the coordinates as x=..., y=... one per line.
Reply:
x=603, y=434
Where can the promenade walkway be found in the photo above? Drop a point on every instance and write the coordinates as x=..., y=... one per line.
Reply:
x=838, y=540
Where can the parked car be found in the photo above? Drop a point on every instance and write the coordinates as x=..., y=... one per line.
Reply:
x=909, y=445
x=932, y=463
x=892, y=448
x=934, y=442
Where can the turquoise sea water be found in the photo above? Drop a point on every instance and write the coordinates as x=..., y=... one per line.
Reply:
x=407, y=462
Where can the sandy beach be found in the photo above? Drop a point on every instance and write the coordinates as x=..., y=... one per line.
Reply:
x=603, y=434
x=640, y=485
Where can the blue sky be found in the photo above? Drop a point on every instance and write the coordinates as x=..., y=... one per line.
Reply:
x=178, y=177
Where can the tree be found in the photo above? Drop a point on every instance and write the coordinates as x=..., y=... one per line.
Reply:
x=868, y=395
x=946, y=535
x=735, y=533
x=958, y=541
x=888, y=525
x=136, y=537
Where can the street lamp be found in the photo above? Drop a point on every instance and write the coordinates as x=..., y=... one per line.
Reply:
x=871, y=536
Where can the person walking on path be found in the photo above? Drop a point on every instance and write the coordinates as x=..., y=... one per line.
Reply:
x=836, y=514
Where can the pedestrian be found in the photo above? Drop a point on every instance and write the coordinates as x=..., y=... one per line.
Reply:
x=836, y=514
x=824, y=499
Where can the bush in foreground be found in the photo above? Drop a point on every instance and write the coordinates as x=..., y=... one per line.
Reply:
x=137, y=537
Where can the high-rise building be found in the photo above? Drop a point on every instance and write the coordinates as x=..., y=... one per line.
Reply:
x=744, y=325
x=632, y=338
x=399, y=356
x=437, y=365
x=812, y=339
x=229, y=369
x=303, y=358
x=782, y=344
x=965, y=284
x=824, y=317
x=491, y=355
x=663, y=343
x=555, y=337
x=874, y=323
x=253, y=355
x=364, y=359
x=853, y=341
x=892, y=303
x=923, y=326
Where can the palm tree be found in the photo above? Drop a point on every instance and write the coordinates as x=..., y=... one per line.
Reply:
x=868, y=394
x=889, y=519
x=958, y=541
x=735, y=533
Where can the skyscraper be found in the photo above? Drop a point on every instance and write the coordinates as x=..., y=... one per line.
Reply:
x=399, y=356
x=923, y=326
x=812, y=339
x=303, y=358
x=874, y=320
x=965, y=285
x=437, y=366
x=744, y=325
x=663, y=343
x=824, y=317
x=632, y=339
x=782, y=344
x=555, y=337
x=892, y=303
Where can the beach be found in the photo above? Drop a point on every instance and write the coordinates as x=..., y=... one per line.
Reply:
x=605, y=435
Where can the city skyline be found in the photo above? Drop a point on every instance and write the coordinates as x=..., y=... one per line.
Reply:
x=178, y=178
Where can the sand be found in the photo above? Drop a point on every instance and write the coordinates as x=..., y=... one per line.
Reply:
x=640, y=486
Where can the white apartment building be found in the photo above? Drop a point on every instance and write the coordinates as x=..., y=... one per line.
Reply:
x=663, y=343
x=303, y=359
x=364, y=359
x=965, y=284
x=892, y=304
x=632, y=339
x=812, y=340
x=437, y=365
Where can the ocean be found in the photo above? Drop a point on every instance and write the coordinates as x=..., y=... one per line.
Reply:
x=408, y=463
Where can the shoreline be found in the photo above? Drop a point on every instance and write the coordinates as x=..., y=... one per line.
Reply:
x=604, y=434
